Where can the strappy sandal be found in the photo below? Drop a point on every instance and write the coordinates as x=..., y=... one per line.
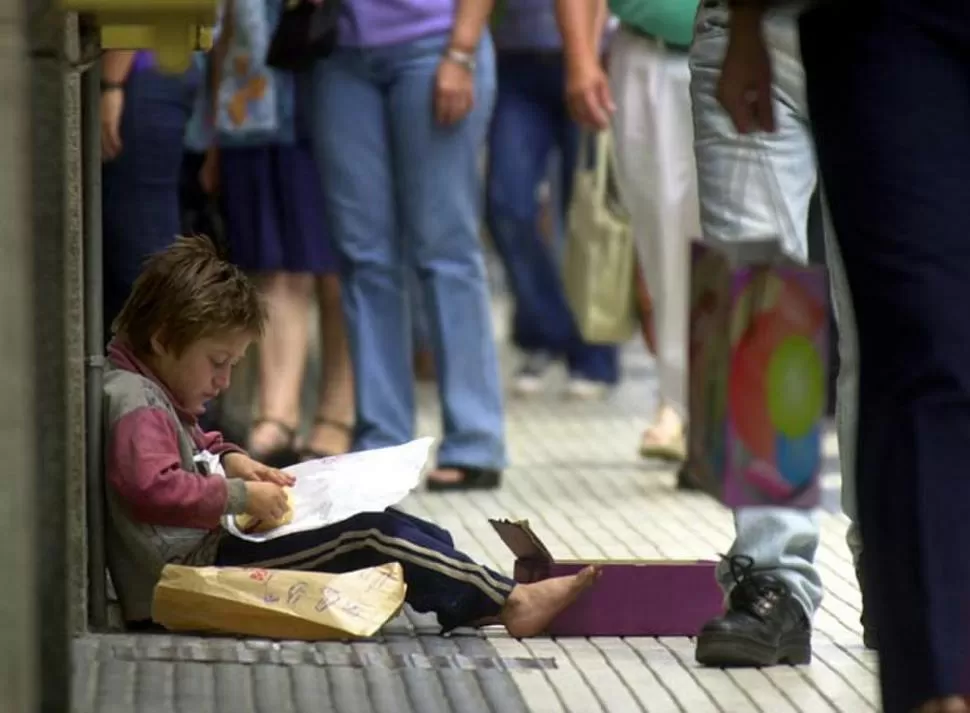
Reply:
x=282, y=455
x=307, y=453
x=471, y=479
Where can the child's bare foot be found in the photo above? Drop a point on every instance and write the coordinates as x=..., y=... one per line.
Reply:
x=531, y=607
x=951, y=704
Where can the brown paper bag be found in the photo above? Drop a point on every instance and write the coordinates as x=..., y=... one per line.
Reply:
x=278, y=604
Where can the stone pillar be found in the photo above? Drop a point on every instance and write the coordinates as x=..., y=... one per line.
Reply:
x=18, y=553
x=58, y=331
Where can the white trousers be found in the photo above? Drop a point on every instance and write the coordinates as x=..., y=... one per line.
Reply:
x=654, y=138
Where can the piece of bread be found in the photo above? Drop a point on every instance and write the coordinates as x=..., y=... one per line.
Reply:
x=248, y=523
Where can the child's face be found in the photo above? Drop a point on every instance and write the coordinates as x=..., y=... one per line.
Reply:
x=202, y=371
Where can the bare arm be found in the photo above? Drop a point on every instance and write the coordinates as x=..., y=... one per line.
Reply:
x=758, y=5
x=115, y=66
x=217, y=55
x=470, y=19
x=746, y=15
x=599, y=25
x=744, y=87
x=578, y=20
x=587, y=89
x=454, y=94
x=209, y=173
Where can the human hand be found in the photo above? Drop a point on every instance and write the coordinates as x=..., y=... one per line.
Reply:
x=744, y=88
x=241, y=466
x=209, y=173
x=588, y=95
x=454, y=92
x=266, y=502
x=112, y=107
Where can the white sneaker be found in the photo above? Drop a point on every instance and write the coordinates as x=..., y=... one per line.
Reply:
x=586, y=389
x=531, y=377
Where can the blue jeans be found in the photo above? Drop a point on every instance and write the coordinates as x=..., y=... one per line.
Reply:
x=419, y=314
x=783, y=541
x=531, y=119
x=403, y=191
x=140, y=188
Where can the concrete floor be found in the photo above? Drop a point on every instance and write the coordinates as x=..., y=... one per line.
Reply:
x=576, y=476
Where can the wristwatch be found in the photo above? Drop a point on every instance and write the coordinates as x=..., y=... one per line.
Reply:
x=465, y=59
x=109, y=86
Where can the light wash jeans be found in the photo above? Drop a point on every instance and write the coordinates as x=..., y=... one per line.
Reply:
x=760, y=186
x=404, y=191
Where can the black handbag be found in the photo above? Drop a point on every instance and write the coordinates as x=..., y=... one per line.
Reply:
x=307, y=31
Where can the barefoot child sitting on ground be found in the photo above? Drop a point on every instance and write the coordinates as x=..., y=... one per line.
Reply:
x=188, y=321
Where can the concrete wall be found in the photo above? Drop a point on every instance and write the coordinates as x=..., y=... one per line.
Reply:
x=41, y=380
x=59, y=324
x=73, y=326
x=18, y=665
x=58, y=330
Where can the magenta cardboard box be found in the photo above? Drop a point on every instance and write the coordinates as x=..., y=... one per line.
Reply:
x=631, y=598
x=758, y=360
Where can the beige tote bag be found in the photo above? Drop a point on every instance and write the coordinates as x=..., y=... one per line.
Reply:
x=599, y=267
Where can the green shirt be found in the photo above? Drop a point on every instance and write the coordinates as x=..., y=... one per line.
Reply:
x=670, y=20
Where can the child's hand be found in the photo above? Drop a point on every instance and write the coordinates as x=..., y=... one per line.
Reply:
x=265, y=501
x=239, y=465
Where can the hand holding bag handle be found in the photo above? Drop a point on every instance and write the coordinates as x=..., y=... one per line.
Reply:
x=601, y=143
x=599, y=270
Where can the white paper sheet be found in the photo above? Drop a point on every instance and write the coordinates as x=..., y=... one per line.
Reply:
x=331, y=490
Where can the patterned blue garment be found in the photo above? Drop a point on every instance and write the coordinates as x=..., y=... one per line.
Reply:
x=255, y=103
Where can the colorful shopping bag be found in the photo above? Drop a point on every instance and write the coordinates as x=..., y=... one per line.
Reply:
x=758, y=361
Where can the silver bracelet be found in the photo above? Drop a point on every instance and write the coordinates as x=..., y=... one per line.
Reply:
x=465, y=59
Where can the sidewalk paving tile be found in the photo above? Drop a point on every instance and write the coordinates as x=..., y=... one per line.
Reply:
x=576, y=476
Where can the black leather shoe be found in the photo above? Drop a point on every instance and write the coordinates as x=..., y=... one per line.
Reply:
x=869, y=638
x=685, y=481
x=763, y=626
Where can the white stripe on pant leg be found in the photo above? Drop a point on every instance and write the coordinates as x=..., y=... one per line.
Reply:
x=392, y=547
x=457, y=569
x=654, y=137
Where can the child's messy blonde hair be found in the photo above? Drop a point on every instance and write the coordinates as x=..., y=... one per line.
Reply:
x=185, y=293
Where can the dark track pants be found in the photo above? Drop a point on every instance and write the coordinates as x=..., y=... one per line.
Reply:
x=440, y=579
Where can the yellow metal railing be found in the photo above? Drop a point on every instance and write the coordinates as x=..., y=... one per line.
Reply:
x=172, y=29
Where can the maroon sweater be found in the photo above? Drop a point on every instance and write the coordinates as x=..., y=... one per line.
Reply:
x=163, y=505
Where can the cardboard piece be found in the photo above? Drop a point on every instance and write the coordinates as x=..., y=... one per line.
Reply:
x=631, y=598
x=758, y=360
x=278, y=604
